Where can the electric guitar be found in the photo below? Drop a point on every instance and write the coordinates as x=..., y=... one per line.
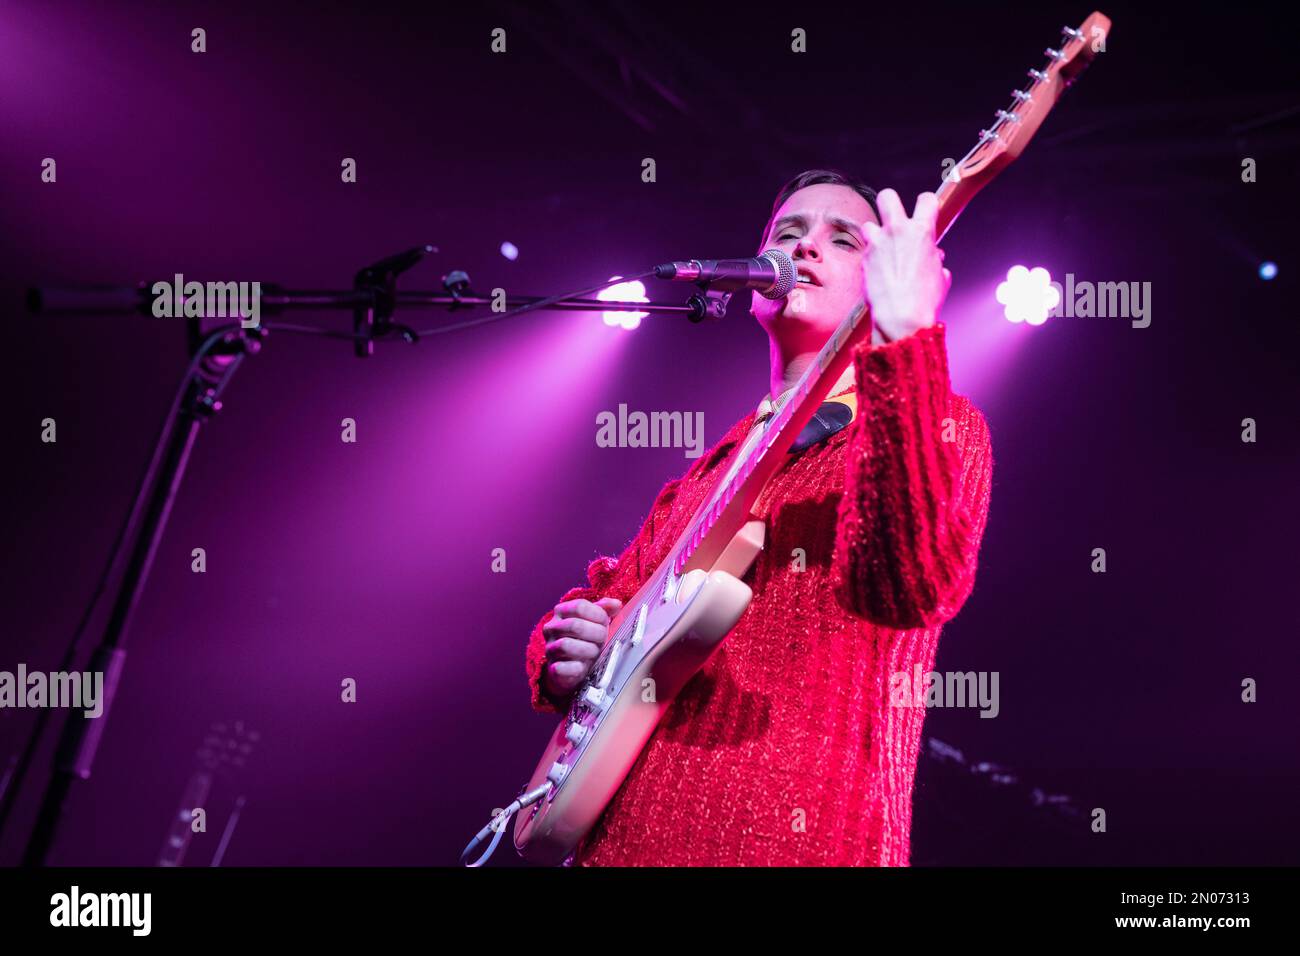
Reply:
x=678, y=618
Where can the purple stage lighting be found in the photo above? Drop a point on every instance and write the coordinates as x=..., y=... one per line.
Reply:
x=623, y=292
x=1028, y=295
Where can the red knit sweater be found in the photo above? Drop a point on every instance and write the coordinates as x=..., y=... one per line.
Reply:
x=785, y=748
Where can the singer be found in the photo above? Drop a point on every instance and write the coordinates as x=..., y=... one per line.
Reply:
x=786, y=748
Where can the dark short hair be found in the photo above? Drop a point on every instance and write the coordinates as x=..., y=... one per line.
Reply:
x=817, y=177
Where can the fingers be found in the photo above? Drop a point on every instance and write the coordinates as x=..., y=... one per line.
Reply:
x=564, y=676
x=584, y=609
x=892, y=213
x=872, y=233
x=571, y=649
x=575, y=628
x=579, y=628
x=926, y=211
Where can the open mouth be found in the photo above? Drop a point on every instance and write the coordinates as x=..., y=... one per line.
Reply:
x=805, y=278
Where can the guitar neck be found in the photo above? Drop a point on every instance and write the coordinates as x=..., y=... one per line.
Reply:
x=726, y=510
x=729, y=507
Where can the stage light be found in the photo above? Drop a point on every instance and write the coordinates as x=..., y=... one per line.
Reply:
x=510, y=251
x=1028, y=295
x=623, y=292
x=1267, y=270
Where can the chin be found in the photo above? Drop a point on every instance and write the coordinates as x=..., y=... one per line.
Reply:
x=805, y=324
x=812, y=321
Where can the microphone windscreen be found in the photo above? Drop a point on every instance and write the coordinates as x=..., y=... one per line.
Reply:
x=785, y=274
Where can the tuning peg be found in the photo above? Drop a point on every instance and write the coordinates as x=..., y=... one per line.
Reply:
x=1021, y=95
x=1006, y=117
x=1039, y=75
x=1072, y=33
x=1054, y=54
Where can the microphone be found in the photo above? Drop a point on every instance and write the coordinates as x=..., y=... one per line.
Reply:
x=772, y=273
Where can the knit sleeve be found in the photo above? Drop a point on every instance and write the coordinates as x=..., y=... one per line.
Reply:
x=918, y=475
x=607, y=577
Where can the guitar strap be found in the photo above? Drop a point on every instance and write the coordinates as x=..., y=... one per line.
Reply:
x=832, y=416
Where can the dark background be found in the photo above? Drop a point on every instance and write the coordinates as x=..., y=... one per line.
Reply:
x=328, y=560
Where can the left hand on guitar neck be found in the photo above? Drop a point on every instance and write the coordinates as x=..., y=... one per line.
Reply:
x=902, y=268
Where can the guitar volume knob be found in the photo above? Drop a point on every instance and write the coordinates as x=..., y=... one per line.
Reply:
x=576, y=733
x=557, y=773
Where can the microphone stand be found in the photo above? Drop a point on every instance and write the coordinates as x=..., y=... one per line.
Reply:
x=214, y=358
x=81, y=735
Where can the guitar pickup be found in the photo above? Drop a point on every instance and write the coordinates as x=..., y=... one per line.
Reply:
x=638, y=631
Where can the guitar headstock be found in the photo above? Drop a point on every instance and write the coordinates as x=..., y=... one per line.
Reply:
x=1016, y=125
x=1065, y=62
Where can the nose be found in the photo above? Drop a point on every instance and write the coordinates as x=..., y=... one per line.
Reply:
x=805, y=248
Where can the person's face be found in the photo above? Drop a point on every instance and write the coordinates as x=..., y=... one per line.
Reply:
x=820, y=228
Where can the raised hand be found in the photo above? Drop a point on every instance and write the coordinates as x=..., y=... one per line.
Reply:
x=902, y=269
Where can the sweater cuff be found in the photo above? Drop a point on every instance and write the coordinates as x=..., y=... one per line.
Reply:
x=921, y=357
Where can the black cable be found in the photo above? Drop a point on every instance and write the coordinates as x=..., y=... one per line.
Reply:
x=533, y=306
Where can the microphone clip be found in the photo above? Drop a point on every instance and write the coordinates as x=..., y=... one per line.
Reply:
x=379, y=280
x=708, y=303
